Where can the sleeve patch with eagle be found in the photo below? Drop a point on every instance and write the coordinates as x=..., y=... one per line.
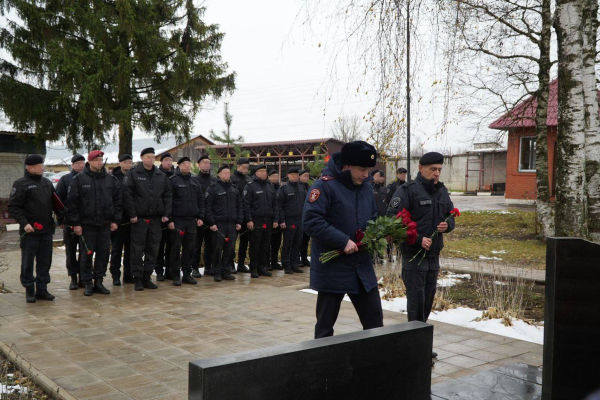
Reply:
x=314, y=195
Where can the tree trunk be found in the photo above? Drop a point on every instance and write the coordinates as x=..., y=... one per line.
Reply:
x=125, y=137
x=571, y=191
x=544, y=209
x=592, y=124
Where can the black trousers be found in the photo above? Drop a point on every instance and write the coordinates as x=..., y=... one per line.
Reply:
x=183, y=245
x=36, y=247
x=292, y=240
x=71, y=242
x=304, y=246
x=260, y=240
x=243, y=246
x=121, y=246
x=164, y=249
x=421, y=284
x=224, y=246
x=97, y=240
x=367, y=306
x=203, y=236
x=145, y=238
x=276, y=237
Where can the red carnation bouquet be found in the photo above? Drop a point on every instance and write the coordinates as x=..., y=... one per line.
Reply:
x=453, y=213
x=37, y=226
x=379, y=233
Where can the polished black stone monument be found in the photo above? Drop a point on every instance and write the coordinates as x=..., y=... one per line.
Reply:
x=572, y=319
x=392, y=363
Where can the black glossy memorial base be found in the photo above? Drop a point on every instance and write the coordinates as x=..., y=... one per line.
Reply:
x=392, y=363
x=510, y=382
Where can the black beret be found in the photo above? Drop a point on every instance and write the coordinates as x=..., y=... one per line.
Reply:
x=359, y=153
x=377, y=171
x=147, y=150
x=431, y=158
x=273, y=171
x=125, y=157
x=165, y=155
x=293, y=170
x=203, y=157
x=34, y=159
x=242, y=161
x=401, y=170
x=183, y=159
x=259, y=166
x=222, y=167
x=304, y=171
x=77, y=157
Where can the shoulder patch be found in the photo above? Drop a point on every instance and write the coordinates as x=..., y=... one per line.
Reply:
x=327, y=178
x=314, y=195
x=395, y=202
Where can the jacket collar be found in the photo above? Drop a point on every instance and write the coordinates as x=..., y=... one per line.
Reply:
x=33, y=176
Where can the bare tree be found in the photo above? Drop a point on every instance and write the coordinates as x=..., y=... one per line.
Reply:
x=347, y=128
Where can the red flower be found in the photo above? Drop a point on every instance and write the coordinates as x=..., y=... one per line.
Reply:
x=147, y=221
x=411, y=237
x=89, y=252
x=293, y=226
x=455, y=212
x=181, y=233
x=412, y=225
x=360, y=234
x=264, y=226
x=38, y=226
x=226, y=239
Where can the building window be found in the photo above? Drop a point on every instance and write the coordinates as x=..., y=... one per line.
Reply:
x=527, y=154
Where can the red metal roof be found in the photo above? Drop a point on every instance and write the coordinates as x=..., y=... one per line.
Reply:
x=523, y=115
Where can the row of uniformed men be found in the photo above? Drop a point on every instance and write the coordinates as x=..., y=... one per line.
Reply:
x=159, y=217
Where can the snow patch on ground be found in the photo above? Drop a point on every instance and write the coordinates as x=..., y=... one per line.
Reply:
x=465, y=317
x=499, y=251
x=452, y=279
x=490, y=258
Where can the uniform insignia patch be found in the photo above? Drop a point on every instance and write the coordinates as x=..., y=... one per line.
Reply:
x=314, y=195
x=395, y=202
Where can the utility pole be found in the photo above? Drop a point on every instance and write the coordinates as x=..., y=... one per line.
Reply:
x=408, y=176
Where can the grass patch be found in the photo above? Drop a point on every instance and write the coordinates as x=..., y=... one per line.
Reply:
x=500, y=236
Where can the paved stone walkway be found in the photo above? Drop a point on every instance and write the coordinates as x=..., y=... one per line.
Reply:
x=137, y=345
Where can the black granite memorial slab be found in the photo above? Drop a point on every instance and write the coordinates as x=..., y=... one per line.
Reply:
x=393, y=362
x=572, y=319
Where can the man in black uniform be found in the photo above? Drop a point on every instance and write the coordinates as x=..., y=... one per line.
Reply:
x=148, y=201
x=224, y=215
x=428, y=201
x=94, y=210
x=304, y=181
x=276, y=233
x=31, y=204
x=392, y=187
x=379, y=191
x=203, y=235
x=188, y=213
x=260, y=206
x=290, y=201
x=162, y=262
x=240, y=179
x=69, y=239
x=120, y=239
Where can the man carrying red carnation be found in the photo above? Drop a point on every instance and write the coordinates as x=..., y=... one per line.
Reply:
x=428, y=203
x=31, y=204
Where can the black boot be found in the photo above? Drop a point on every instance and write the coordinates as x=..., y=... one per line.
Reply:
x=30, y=294
x=253, y=272
x=242, y=268
x=196, y=273
x=168, y=274
x=287, y=269
x=297, y=269
x=276, y=265
x=188, y=279
x=89, y=289
x=217, y=274
x=138, y=284
x=74, y=285
x=148, y=284
x=207, y=271
x=43, y=294
x=116, y=281
x=228, y=277
x=99, y=287
x=264, y=272
x=305, y=262
x=160, y=277
x=176, y=280
x=80, y=282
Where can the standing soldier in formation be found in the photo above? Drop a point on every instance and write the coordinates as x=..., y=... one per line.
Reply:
x=31, y=204
x=428, y=201
x=240, y=179
x=379, y=191
x=162, y=263
x=120, y=239
x=148, y=201
x=224, y=215
x=276, y=233
x=94, y=210
x=203, y=235
x=260, y=205
x=392, y=187
x=188, y=213
x=290, y=202
x=69, y=239
x=304, y=181
x=338, y=205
